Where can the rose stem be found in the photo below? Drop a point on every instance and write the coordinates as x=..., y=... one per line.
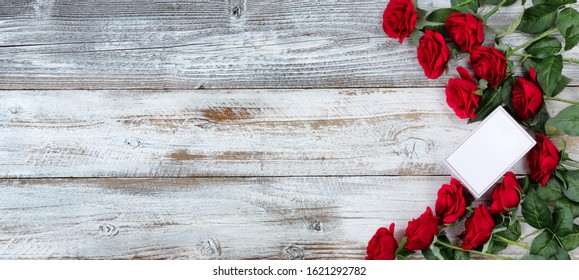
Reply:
x=531, y=234
x=473, y=251
x=502, y=239
x=494, y=10
x=461, y=4
x=572, y=60
x=545, y=34
x=561, y=100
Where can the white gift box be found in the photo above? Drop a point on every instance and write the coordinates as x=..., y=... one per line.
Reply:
x=489, y=152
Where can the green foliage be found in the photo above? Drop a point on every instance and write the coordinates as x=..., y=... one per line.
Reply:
x=567, y=25
x=537, y=19
x=496, y=2
x=440, y=15
x=545, y=47
x=555, y=3
x=493, y=98
x=562, y=222
x=535, y=211
x=567, y=121
x=510, y=232
x=572, y=179
x=552, y=191
x=571, y=241
x=544, y=245
x=549, y=73
x=537, y=122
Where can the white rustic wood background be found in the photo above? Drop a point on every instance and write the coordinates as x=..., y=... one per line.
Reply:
x=215, y=129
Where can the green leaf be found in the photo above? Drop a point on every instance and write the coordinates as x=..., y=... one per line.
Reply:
x=567, y=120
x=429, y=255
x=530, y=63
x=535, y=211
x=561, y=254
x=571, y=241
x=493, y=98
x=545, y=47
x=562, y=222
x=552, y=191
x=538, y=121
x=533, y=257
x=537, y=19
x=496, y=2
x=572, y=179
x=434, y=252
x=461, y=255
x=555, y=3
x=567, y=25
x=544, y=245
x=437, y=28
x=561, y=84
x=510, y=232
x=549, y=73
x=573, y=206
x=440, y=15
x=415, y=37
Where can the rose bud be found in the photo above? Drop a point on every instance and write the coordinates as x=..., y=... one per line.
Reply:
x=383, y=245
x=506, y=195
x=460, y=94
x=399, y=19
x=543, y=159
x=489, y=64
x=421, y=232
x=433, y=54
x=465, y=30
x=450, y=204
x=527, y=96
x=478, y=228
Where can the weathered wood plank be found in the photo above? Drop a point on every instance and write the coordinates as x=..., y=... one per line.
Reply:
x=167, y=44
x=222, y=218
x=230, y=133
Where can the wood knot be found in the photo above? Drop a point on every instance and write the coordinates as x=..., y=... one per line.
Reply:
x=108, y=230
x=15, y=109
x=237, y=8
x=211, y=248
x=294, y=252
x=133, y=142
x=315, y=225
x=415, y=148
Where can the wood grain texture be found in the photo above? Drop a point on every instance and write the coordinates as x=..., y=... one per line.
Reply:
x=207, y=218
x=167, y=44
x=231, y=133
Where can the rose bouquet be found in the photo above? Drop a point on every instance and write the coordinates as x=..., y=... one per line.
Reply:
x=520, y=78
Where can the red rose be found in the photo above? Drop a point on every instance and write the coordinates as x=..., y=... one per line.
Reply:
x=460, y=94
x=433, y=54
x=399, y=19
x=542, y=159
x=465, y=30
x=383, y=245
x=489, y=64
x=477, y=228
x=450, y=204
x=527, y=96
x=506, y=195
x=421, y=232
